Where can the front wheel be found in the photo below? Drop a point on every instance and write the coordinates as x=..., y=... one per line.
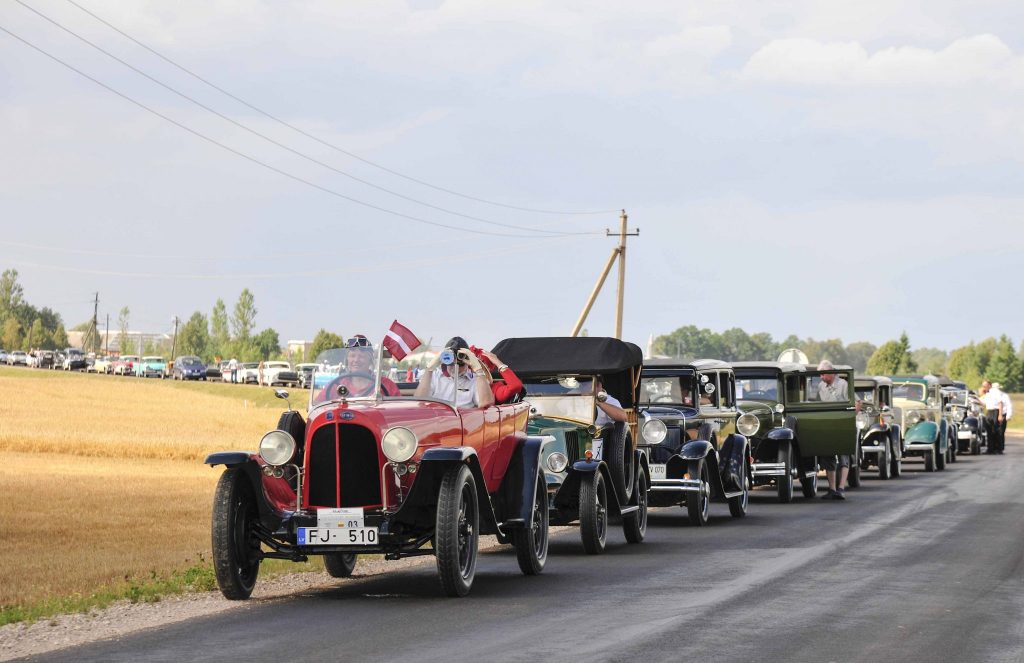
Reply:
x=929, y=460
x=738, y=504
x=883, y=463
x=809, y=484
x=236, y=550
x=940, y=458
x=634, y=525
x=531, y=542
x=593, y=513
x=698, y=505
x=785, y=482
x=340, y=565
x=853, y=478
x=457, y=535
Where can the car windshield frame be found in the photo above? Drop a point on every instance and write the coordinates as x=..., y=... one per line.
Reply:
x=905, y=387
x=678, y=375
x=567, y=396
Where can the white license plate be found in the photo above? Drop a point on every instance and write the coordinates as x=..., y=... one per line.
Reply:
x=349, y=536
x=339, y=518
x=657, y=471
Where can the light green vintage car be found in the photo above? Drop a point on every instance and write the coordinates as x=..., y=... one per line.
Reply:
x=917, y=402
x=151, y=367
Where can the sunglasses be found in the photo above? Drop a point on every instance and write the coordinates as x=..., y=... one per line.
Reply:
x=357, y=342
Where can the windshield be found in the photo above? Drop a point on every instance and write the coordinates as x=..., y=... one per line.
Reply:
x=765, y=389
x=675, y=389
x=958, y=397
x=912, y=391
x=344, y=372
x=188, y=361
x=155, y=360
x=865, y=394
x=564, y=396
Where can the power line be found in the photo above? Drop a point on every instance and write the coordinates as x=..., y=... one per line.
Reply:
x=252, y=159
x=281, y=145
x=324, y=142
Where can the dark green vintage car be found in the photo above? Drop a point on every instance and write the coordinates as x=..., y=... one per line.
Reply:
x=593, y=467
x=688, y=431
x=794, y=426
x=879, y=443
x=918, y=404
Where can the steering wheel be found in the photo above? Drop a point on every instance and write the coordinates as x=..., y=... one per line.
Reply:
x=336, y=382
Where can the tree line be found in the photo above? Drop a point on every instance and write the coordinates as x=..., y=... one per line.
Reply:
x=997, y=359
x=22, y=325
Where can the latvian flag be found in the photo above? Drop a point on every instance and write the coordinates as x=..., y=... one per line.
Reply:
x=400, y=341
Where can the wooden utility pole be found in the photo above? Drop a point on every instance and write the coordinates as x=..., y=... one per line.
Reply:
x=620, y=253
x=174, y=339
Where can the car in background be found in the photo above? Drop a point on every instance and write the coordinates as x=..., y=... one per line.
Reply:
x=3, y=356
x=879, y=443
x=103, y=365
x=926, y=433
x=74, y=360
x=278, y=372
x=125, y=365
x=188, y=367
x=969, y=413
x=45, y=359
x=249, y=372
x=305, y=374
x=213, y=372
x=17, y=358
x=151, y=366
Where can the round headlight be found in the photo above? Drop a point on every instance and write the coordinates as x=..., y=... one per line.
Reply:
x=780, y=408
x=277, y=447
x=747, y=424
x=862, y=420
x=655, y=431
x=913, y=418
x=556, y=461
x=399, y=444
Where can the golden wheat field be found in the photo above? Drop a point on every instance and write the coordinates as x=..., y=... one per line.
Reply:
x=102, y=479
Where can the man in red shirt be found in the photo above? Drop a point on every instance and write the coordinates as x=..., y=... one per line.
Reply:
x=359, y=360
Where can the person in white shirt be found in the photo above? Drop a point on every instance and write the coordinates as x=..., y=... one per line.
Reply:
x=464, y=380
x=995, y=416
x=609, y=411
x=834, y=388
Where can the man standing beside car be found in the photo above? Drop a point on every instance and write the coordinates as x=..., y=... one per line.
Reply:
x=834, y=388
x=995, y=416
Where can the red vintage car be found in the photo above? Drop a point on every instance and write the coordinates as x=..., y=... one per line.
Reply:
x=367, y=473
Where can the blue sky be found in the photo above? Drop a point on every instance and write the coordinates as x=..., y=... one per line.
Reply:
x=819, y=168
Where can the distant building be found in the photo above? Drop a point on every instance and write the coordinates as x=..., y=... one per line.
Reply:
x=136, y=340
x=298, y=349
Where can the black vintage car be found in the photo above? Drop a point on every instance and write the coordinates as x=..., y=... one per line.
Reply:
x=689, y=434
x=593, y=468
x=969, y=413
x=879, y=442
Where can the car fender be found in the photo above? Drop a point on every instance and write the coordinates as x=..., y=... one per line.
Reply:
x=695, y=450
x=780, y=434
x=420, y=507
x=944, y=429
x=518, y=484
x=270, y=517
x=973, y=423
x=924, y=431
x=227, y=458
x=733, y=460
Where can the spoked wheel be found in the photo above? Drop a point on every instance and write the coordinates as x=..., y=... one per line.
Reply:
x=785, y=482
x=738, y=504
x=634, y=525
x=593, y=513
x=883, y=462
x=531, y=542
x=236, y=550
x=809, y=484
x=457, y=536
x=340, y=565
x=698, y=505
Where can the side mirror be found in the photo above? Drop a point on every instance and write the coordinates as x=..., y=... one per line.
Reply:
x=283, y=395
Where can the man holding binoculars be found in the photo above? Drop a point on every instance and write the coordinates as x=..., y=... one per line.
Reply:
x=456, y=373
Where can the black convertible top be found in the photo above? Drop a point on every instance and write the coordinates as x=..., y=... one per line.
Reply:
x=618, y=361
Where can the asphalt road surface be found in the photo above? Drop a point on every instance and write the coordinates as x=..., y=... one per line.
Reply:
x=928, y=567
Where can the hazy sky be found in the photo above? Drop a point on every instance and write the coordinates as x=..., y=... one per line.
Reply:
x=819, y=168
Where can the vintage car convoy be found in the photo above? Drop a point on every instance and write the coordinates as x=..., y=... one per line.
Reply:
x=918, y=403
x=591, y=472
x=968, y=411
x=794, y=426
x=879, y=443
x=688, y=430
x=368, y=474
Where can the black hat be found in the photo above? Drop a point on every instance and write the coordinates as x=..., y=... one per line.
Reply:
x=456, y=343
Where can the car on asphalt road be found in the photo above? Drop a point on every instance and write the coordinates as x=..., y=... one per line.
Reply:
x=591, y=472
x=278, y=372
x=367, y=474
x=879, y=443
x=188, y=367
x=688, y=432
x=918, y=404
x=151, y=366
x=17, y=358
x=305, y=374
x=73, y=360
x=969, y=413
x=795, y=426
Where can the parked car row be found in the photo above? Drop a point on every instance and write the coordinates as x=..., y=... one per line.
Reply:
x=407, y=475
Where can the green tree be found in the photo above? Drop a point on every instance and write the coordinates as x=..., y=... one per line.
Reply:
x=892, y=358
x=831, y=349
x=194, y=337
x=122, y=324
x=983, y=352
x=931, y=360
x=963, y=365
x=1005, y=367
x=244, y=317
x=324, y=340
x=267, y=344
x=11, y=294
x=858, y=353
x=219, y=334
x=12, y=334
x=60, y=337
x=37, y=336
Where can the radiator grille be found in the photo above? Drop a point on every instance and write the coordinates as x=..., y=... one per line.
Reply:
x=348, y=452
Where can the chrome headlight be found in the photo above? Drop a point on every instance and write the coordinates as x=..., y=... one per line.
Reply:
x=748, y=424
x=277, y=447
x=556, y=462
x=780, y=408
x=654, y=431
x=399, y=444
x=863, y=420
x=913, y=417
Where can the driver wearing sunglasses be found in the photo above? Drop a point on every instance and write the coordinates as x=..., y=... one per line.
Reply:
x=359, y=372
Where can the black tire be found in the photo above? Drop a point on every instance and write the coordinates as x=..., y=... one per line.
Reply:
x=940, y=458
x=953, y=442
x=853, y=478
x=698, y=505
x=292, y=423
x=593, y=513
x=975, y=445
x=884, y=463
x=531, y=542
x=457, y=534
x=809, y=485
x=929, y=460
x=236, y=551
x=785, y=483
x=618, y=454
x=340, y=565
x=634, y=525
x=738, y=504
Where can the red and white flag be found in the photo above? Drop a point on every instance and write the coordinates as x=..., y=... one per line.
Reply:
x=400, y=341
